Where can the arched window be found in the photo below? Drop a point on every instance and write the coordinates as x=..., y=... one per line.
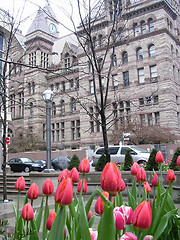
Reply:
x=151, y=25
x=139, y=54
x=136, y=29
x=67, y=61
x=62, y=107
x=100, y=38
x=152, y=50
x=73, y=105
x=143, y=27
x=31, y=110
x=125, y=57
x=53, y=109
x=114, y=60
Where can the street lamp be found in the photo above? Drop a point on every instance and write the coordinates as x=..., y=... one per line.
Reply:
x=48, y=96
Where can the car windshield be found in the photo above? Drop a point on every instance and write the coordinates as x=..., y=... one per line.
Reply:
x=60, y=159
x=139, y=149
x=26, y=160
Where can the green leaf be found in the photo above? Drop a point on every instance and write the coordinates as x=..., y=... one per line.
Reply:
x=91, y=221
x=90, y=200
x=163, y=224
x=84, y=227
x=57, y=229
x=34, y=233
x=131, y=200
x=134, y=189
x=106, y=227
x=39, y=216
x=105, y=200
x=46, y=214
x=144, y=196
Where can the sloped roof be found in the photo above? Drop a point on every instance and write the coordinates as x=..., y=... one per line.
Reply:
x=74, y=48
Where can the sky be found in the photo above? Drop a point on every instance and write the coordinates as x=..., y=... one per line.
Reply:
x=26, y=10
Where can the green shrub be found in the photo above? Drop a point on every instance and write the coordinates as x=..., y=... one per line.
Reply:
x=173, y=164
x=152, y=164
x=74, y=162
x=128, y=161
x=101, y=163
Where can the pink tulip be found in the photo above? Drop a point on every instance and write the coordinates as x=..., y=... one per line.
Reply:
x=159, y=157
x=128, y=236
x=20, y=184
x=84, y=166
x=134, y=169
x=33, y=192
x=170, y=176
x=74, y=175
x=93, y=234
x=27, y=212
x=63, y=174
x=127, y=212
x=148, y=237
x=119, y=219
x=154, y=182
x=178, y=161
x=141, y=175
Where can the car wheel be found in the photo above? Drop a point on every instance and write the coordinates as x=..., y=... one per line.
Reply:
x=26, y=169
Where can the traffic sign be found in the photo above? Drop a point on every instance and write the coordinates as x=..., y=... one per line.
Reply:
x=7, y=140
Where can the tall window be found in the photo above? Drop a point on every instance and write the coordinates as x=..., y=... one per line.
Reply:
x=21, y=104
x=100, y=39
x=143, y=27
x=115, y=81
x=126, y=78
x=95, y=42
x=32, y=59
x=141, y=75
x=62, y=107
x=114, y=60
x=31, y=110
x=150, y=119
x=73, y=105
x=73, y=130
x=143, y=120
x=139, y=54
x=151, y=25
x=62, y=131
x=12, y=105
x=115, y=8
x=91, y=86
x=71, y=83
x=125, y=57
x=67, y=61
x=1, y=52
x=136, y=29
x=91, y=119
x=53, y=109
x=157, y=118
x=153, y=73
x=44, y=60
x=152, y=50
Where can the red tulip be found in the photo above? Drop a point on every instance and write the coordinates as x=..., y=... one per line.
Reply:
x=127, y=212
x=84, y=166
x=178, y=161
x=148, y=188
x=84, y=190
x=48, y=187
x=121, y=186
x=27, y=212
x=148, y=237
x=170, y=176
x=33, y=192
x=142, y=216
x=64, y=192
x=90, y=215
x=50, y=220
x=141, y=175
x=120, y=221
x=74, y=175
x=159, y=157
x=63, y=174
x=128, y=236
x=154, y=182
x=134, y=169
x=20, y=184
x=110, y=178
x=99, y=205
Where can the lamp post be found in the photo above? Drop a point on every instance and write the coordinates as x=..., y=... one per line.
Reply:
x=48, y=96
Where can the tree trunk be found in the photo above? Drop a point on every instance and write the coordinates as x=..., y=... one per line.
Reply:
x=105, y=138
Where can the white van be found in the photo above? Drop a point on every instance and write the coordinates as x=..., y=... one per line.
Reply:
x=117, y=154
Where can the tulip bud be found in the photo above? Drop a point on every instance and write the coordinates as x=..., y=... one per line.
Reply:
x=142, y=216
x=147, y=187
x=119, y=219
x=178, y=161
x=148, y=237
x=121, y=186
x=64, y=192
x=74, y=175
x=99, y=205
x=170, y=176
x=27, y=212
x=20, y=184
x=90, y=215
x=50, y=220
x=134, y=169
x=84, y=166
x=48, y=187
x=127, y=212
x=33, y=192
x=159, y=157
x=84, y=190
x=154, y=182
x=141, y=175
x=110, y=178
x=128, y=236
x=63, y=174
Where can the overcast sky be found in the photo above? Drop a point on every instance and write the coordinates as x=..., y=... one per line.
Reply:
x=26, y=9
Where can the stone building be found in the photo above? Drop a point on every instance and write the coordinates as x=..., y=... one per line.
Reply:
x=142, y=66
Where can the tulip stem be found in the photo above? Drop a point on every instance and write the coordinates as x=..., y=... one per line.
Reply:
x=161, y=171
x=170, y=188
x=110, y=196
x=139, y=192
x=139, y=235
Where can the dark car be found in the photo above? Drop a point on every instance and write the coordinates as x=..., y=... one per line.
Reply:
x=39, y=165
x=60, y=163
x=20, y=164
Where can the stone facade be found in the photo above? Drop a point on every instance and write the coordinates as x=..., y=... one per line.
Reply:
x=144, y=81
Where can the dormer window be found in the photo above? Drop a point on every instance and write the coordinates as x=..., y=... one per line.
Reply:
x=67, y=61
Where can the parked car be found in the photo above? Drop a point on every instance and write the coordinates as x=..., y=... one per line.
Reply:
x=117, y=154
x=39, y=165
x=20, y=164
x=60, y=163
